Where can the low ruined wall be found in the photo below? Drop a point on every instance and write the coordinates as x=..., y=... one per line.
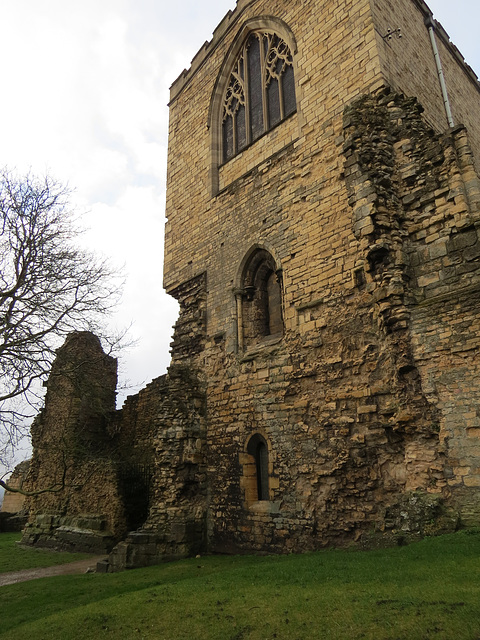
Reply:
x=176, y=525
x=176, y=522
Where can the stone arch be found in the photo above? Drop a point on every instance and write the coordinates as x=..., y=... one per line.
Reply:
x=256, y=464
x=268, y=25
x=259, y=296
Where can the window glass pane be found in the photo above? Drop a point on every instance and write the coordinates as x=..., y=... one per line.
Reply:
x=273, y=97
x=241, y=128
x=255, y=88
x=288, y=86
x=228, y=150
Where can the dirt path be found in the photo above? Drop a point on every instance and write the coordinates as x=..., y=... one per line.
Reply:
x=81, y=566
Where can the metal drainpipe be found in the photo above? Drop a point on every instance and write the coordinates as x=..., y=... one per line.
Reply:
x=429, y=23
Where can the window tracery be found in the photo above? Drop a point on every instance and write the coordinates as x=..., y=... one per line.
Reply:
x=260, y=92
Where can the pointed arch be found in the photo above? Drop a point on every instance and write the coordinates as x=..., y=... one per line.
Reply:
x=255, y=89
x=259, y=298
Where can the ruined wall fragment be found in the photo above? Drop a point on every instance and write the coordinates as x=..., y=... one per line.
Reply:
x=176, y=524
x=73, y=471
x=430, y=252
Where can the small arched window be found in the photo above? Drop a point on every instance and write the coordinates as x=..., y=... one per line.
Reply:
x=260, y=92
x=259, y=301
x=257, y=448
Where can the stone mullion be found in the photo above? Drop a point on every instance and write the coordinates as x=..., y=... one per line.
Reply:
x=239, y=304
x=234, y=133
x=280, y=94
x=279, y=277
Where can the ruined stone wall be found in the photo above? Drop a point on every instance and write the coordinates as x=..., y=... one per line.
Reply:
x=98, y=473
x=445, y=320
x=95, y=470
x=375, y=398
x=133, y=424
x=336, y=199
x=422, y=221
x=175, y=525
x=133, y=431
x=77, y=504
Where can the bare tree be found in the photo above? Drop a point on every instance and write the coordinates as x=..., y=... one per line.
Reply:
x=48, y=288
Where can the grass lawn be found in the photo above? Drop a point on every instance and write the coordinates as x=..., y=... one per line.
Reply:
x=14, y=558
x=428, y=590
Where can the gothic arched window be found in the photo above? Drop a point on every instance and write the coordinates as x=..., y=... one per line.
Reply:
x=259, y=300
x=260, y=92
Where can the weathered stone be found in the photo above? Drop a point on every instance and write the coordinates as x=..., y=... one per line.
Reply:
x=14, y=503
x=72, y=466
x=325, y=372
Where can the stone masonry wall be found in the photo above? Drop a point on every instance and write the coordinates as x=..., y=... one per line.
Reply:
x=354, y=418
x=340, y=398
x=363, y=405
x=98, y=473
x=176, y=522
x=208, y=232
x=175, y=526
x=422, y=217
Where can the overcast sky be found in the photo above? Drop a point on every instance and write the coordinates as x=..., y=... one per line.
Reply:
x=85, y=86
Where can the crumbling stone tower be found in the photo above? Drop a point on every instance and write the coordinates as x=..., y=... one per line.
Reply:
x=323, y=208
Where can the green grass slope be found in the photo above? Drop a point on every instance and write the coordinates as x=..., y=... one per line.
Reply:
x=429, y=590
x=15, y=558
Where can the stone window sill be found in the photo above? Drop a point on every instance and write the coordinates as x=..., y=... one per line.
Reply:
x=261, y=347
x=264, y=506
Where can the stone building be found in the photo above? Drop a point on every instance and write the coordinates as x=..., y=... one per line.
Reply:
x=323, y=211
